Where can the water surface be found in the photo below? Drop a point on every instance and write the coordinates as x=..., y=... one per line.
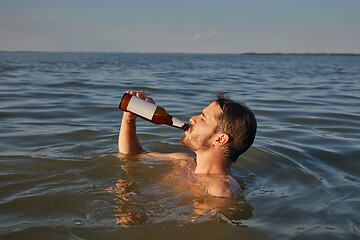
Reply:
x=60, y=177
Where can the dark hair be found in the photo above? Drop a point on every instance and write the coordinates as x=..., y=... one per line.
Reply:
x=238, y=122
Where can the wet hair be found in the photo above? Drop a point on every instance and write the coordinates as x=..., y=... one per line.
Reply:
x=238, y=122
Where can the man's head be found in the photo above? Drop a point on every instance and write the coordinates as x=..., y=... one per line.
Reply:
x=239, y=123
x=225, y=123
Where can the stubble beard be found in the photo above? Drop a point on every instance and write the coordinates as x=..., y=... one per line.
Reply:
x=196, y=142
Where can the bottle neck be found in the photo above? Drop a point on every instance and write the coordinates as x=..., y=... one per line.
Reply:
x=177, y=123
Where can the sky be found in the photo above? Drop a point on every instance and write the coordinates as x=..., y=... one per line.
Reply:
x=181, y=26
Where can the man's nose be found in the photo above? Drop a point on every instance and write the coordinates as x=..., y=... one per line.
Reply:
x=192, y=120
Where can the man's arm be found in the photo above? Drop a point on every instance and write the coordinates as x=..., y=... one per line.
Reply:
x=128, y=141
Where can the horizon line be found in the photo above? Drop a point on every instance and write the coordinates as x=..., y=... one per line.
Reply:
x=199, y=53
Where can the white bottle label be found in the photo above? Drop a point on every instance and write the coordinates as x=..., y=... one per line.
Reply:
x=177, y=122
x=141, y=107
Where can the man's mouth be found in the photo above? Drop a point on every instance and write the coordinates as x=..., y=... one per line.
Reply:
x=189, y=129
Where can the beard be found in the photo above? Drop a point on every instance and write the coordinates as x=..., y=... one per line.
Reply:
x=196, y=142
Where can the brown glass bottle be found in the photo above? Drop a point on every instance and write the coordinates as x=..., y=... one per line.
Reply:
x=150, y=111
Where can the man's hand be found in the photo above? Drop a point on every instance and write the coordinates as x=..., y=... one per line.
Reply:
x=128, y=116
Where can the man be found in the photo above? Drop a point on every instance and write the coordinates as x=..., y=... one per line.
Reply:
x=218, y=136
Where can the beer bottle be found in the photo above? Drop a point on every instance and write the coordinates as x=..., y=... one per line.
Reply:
x=150, y=112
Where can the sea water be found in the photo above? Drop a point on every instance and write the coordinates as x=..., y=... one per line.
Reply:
x=60, y=177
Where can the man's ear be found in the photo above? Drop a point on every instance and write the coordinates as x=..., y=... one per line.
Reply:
x=222, y=139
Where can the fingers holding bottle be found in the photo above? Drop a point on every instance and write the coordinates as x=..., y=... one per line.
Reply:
x=141, y=94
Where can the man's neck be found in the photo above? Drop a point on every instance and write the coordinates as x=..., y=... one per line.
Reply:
x=211, y=163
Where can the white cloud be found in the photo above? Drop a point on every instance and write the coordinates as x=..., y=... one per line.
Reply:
x=208, y=35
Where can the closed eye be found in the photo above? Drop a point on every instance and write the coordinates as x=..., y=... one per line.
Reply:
x=203, y=117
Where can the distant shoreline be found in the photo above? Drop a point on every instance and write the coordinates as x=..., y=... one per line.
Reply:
x=306, y=54
x=246, y=53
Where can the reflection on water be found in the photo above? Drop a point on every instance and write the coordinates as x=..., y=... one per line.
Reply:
x=128, y=212
x=170, y=194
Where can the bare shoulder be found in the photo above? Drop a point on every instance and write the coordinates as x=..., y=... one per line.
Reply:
x=224, y=188
x=219, y=189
